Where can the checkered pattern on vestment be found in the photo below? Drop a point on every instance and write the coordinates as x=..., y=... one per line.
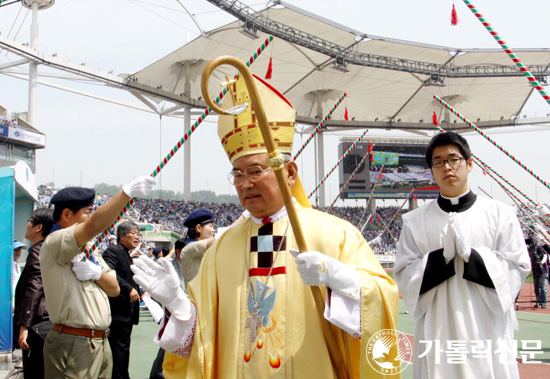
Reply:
x=265, y=243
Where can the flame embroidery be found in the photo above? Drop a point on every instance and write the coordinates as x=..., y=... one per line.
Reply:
x=274, y=360
x=260, y=343
x=247, y=356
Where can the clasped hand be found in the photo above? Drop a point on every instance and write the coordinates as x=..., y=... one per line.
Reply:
x=454, y=242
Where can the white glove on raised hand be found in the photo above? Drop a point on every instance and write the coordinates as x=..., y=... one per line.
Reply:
x=88, y=270
x=319, y=269
x=542, y=212
x=139, y=187
x=162, y=283
x=462, y=248
x=449, y=250
x=376, y=241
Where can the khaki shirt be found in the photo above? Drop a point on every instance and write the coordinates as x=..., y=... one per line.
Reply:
x=71, y=302
x=191, y=256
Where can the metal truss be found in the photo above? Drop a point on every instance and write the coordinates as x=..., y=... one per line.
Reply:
x=255, y=21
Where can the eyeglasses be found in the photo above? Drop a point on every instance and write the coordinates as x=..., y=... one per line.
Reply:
x=451, y=161
x=253, y=173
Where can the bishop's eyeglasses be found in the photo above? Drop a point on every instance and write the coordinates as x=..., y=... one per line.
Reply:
x=453, y=162
x=253, y=173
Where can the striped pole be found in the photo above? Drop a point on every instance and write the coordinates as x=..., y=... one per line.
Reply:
x=319, y=126
x=387, y=229
x=530, y=77
x=473, y=126
x=378, y=179
x=521, y=208
x=518, y=202
x=482, y=190
x=365, y=224
x=401, y=207
x=173, y=151
x=353, y=146
x=487, y=167
x=348, y=181
x=520, y=220
x=389, y=224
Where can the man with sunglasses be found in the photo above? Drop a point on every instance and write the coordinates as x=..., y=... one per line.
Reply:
x=461, y=261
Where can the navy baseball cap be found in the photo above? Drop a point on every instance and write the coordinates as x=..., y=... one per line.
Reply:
x=74, y=197
x=200, y=216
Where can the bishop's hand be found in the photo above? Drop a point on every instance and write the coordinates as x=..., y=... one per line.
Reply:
x=162, y=283
x=319, y=269
x=462, y=248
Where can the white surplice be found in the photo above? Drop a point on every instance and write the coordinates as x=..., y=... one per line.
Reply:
x=470, y=303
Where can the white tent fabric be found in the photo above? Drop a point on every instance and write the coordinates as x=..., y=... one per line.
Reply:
x=378, y=94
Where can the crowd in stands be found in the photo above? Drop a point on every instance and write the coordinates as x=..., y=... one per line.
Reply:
x=376, y=224
x=170, y=214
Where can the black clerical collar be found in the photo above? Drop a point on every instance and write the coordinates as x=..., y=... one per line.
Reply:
x=465, y=202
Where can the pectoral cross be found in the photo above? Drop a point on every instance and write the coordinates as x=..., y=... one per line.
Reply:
x=254, y=323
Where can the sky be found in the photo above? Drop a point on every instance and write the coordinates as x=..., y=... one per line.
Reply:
x=92, y=141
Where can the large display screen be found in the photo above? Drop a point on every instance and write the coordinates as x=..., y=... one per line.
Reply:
x=396, y=168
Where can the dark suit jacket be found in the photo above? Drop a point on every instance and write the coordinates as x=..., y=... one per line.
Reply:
x=122, y=310
x=30, y=302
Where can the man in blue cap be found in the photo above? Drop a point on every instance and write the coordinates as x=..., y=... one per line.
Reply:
x=77, y=289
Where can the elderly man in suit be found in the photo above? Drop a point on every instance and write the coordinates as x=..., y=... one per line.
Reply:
x=124, y=307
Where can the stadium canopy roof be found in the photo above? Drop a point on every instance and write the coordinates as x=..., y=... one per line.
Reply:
x=389, y=83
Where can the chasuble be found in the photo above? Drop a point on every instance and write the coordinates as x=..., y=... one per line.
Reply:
x=249, y=268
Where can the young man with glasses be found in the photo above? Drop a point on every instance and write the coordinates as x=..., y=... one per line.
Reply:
x=461, y=261
x=250, y=311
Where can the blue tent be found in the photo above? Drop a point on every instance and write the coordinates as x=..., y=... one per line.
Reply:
x=17, y=198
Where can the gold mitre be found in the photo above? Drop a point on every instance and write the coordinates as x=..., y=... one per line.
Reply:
x=241, y=135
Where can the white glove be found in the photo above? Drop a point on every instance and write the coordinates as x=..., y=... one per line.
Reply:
x=376, y=241
x=462, y=248
x=542, y=212
x=542, y=234
x=162, y=283
x=139, y=187
x=449, y=250
x=88, y=270
x=319, y=269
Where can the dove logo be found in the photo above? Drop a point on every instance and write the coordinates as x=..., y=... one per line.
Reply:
x=389, y=351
